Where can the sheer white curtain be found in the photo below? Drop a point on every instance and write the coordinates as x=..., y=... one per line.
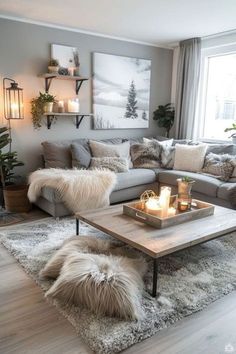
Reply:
x=188, y=74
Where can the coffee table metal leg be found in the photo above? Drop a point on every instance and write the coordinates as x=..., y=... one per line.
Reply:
x=77, y=226
x=154, y=284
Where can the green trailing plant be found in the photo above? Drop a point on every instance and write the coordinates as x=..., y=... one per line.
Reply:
x=8, y=158
x=165, y=115
x=37, y=107
x=53, y=62
x=230, y=129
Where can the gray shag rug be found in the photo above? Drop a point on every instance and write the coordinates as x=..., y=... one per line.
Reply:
x=188, y=282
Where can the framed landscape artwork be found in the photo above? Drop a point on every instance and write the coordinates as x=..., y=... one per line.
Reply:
x=67, y=56
x=121, y=92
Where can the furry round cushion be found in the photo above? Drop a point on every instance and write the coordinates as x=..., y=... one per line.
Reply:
x=107, y=285
x=82, y=244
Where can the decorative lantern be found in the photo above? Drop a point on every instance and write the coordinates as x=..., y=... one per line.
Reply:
x=13, y=100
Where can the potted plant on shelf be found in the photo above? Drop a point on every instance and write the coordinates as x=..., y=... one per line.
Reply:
x=53, y=66
x=233, y=136
x=165, y=115
x=40, y=105
x=13, y=196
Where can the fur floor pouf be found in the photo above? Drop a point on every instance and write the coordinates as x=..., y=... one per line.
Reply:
x=81, y=244
x=107, y=285
x=99, y=274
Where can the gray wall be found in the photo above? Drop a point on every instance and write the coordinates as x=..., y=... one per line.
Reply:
x=24, y=52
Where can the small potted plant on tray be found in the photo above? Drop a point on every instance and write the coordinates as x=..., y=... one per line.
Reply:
x=185, y=185
x=40, y=105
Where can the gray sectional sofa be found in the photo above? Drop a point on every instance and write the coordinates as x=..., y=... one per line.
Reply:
x=131, y=184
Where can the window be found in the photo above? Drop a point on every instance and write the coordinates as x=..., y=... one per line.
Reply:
x=218, y=94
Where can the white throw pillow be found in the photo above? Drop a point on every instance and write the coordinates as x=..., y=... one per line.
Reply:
x=189, y=157
x=99, y=149
x=163, y=143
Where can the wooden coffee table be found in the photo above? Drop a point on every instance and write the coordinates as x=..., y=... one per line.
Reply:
x=158, y=242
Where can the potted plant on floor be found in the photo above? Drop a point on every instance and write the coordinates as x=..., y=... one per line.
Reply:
x=233, y=136
x=14, y=196
x=40, y=105
x=165, y=115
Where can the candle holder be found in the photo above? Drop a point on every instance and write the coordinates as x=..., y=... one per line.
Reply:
x=184, y=202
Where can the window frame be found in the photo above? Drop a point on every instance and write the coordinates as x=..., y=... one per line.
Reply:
x=207, y=53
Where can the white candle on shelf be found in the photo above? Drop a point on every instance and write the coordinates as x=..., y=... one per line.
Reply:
x=152, y=206
x=165, y=200
x=73, y=105
x=71, y=70
x=61, y=107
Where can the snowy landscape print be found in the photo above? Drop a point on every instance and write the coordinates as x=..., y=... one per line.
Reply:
x=121, y=92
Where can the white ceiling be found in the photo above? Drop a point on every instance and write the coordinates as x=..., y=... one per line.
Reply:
x=158, y=22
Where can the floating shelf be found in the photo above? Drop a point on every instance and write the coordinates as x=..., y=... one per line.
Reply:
x=78, y=116
x=78, y=80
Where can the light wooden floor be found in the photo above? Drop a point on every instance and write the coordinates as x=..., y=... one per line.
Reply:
x=29, y=325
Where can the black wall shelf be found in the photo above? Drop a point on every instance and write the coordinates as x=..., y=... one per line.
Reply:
x=78, y=117
x=77, y=79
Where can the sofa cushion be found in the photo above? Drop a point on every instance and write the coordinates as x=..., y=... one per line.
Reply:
x=58, y=154
x=189, y=157
x=81, y=156
x=99, y=149
x=146, y=155
x=220, y=149
x=134, y=177
x=227, y=191
x=204, y=184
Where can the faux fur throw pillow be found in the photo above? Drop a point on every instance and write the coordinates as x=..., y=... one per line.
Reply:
x=146, y=155
x=115, y=164
x=220, y=166
x=107, y=285
x=79, y=189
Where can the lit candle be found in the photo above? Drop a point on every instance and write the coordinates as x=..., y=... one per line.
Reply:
x=183, y=206
x=14, y=110
x=71, y=70
x=152, y=206
x=165, y=200
x=61, y=107
x=171, y=211
x=73, y=106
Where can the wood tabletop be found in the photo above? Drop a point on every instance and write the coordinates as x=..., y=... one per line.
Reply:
x=159, y=242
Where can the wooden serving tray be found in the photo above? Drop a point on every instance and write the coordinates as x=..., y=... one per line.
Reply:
x=199, y=210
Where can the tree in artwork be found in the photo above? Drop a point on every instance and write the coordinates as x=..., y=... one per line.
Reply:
x=131, y=107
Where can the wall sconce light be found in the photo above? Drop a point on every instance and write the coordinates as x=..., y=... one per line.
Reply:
x=13, y=100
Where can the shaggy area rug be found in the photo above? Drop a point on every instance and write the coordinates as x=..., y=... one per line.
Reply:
x=188, y=281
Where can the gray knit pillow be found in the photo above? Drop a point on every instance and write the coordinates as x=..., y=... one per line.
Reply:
x=219, y=166
x=115, y=164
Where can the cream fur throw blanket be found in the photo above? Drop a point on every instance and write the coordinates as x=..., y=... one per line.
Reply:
x=78, y=189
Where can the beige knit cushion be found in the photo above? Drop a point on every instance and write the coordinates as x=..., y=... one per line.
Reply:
x=189, y=157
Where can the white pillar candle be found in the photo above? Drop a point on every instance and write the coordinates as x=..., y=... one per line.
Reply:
x=71, y=70
x=171, y=212
x=152, y=206
x=14, y=110
x=61, y=107
x=73, y=105
x=165, y=200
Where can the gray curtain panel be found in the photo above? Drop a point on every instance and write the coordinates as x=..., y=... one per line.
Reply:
x=187, y=87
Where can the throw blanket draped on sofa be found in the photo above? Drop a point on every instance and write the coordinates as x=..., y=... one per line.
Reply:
x=78, y=189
